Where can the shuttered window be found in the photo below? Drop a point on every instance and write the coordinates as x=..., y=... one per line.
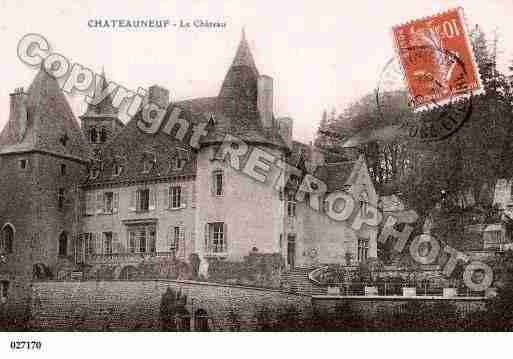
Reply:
x=176, y=196
x=142, y=239
x=90, y=204
x=107, y=243
x=108, y=202
x=216, y=237
x=363, y=248
x=143, y=200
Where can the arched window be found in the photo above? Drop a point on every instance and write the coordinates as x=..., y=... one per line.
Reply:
x=93, y=135
x=128, y=272
x=63, y=245
x=7, y=238
x=201, y=321
x=103, y=135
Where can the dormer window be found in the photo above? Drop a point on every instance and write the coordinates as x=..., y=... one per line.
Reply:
x=103, y=135
x=117, y=167
x=149, y=162
x=212, y=120
x=179, y=160
x=364, y=201
x=95, y=169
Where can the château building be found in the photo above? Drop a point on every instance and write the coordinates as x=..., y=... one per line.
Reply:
x=103, y=197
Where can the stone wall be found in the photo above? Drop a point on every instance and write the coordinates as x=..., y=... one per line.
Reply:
x=135, y=305
x=257, y=269
x=398, y=313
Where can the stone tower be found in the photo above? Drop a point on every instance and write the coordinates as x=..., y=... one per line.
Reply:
x=43, y=157
x=226, y=225
x=100, y=122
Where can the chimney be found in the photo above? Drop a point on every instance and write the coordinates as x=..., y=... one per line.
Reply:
x=265, y=100
x=18, y=112
x=285, y=125
x=158, y=95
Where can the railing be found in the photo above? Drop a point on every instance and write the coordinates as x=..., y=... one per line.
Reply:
x=124, y=257
x=216, y=249
x=396, y=289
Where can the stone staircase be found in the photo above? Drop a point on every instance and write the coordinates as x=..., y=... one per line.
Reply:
x=296, y=281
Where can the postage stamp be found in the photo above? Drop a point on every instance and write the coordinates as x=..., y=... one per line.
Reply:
x=437, y=59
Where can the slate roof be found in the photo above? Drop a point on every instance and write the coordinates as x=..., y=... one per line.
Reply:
x=234, y=112
x=131, y=147
x=337, y=176
x=51, y=125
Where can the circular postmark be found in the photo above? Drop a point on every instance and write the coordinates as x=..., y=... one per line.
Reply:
x=426, y=106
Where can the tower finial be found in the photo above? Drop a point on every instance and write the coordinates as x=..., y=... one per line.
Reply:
x=243, y=37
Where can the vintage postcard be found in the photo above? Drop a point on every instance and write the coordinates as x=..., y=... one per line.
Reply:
x=260, y=167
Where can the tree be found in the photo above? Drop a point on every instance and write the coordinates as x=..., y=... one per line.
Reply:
x=437, y=174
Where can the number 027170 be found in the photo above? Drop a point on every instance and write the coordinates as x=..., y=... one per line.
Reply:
x=25, y=345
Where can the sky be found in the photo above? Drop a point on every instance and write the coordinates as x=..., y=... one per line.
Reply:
x=321, y=54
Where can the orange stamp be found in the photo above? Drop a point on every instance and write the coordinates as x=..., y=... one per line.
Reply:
x=437, y=59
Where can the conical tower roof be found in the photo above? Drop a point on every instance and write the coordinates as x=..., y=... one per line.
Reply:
x=51, y=126
x=236, y=105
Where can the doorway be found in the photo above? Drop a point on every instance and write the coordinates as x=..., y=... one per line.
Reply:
x=291, y=251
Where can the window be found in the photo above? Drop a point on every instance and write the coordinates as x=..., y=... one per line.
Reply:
x=117, y=168
x=143, y=200
x=129, y=272
x=63, y=169
x=152, y=240
x=176, y=197
x=63, y=245
x=180, y=159
x=149, y=162
x=176, y=238
x=103, y=135
x=107, y=243
x=291, y=205
x=178, y=163
x=142, y=239
x=23, y=164
x=216, y=242
x=95, y=169
x=89, y=244
x=108, y=200
x=6, y=241
x=363, y=248
x=131, y=241
x=60, y=198
x=364, y=201
x=93, y=135
x=218, y=183
x=4, y=291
